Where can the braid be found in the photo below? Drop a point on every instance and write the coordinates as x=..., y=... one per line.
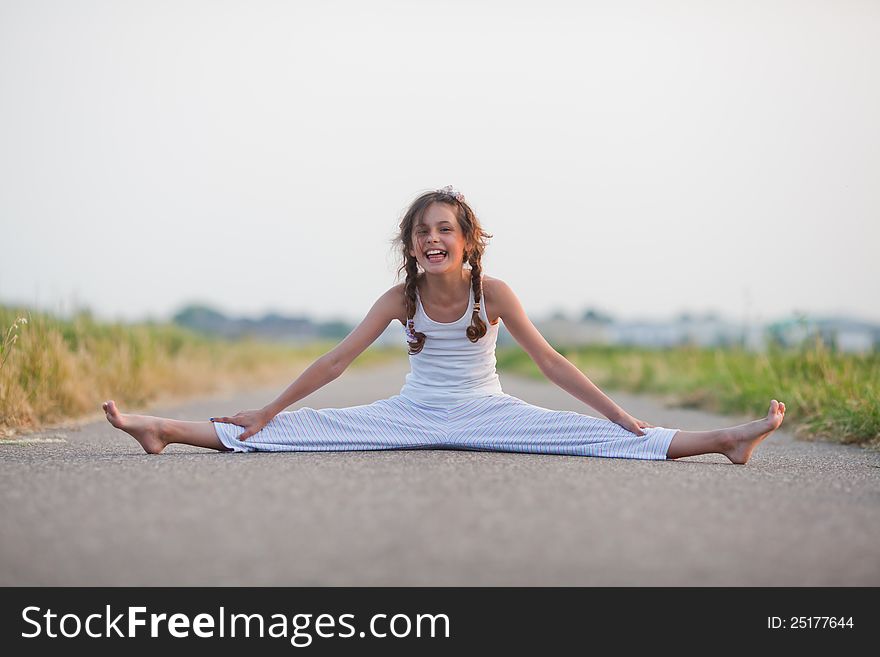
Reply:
x=477, y=328
x=412, y=275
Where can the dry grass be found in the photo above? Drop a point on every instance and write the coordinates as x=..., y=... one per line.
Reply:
x=54, y=370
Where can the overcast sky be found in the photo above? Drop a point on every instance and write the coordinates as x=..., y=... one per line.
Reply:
x=641, y=158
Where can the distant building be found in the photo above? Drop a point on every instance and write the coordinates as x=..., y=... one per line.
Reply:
x=565, y=331
x=844, y=334
x=645, y=334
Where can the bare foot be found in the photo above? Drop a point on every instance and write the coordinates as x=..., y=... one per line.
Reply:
x=143, y=428
x=743, y=439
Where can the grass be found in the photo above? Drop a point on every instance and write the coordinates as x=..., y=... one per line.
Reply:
x=54, y=370
x=828, y=395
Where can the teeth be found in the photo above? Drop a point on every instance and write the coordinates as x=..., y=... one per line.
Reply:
x=436, y=253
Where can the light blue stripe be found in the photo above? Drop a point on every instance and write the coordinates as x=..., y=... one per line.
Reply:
x=500, y=423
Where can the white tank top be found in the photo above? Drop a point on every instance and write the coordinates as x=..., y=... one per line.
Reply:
x=451, y=369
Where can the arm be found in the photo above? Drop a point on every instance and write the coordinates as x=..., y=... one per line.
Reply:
x=552, y=364
x=332, y=364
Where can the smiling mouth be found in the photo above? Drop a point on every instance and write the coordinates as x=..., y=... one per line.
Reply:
x=436, y=257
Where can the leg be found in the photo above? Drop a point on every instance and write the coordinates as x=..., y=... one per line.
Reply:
x=393, y=423
x=507, y=424
x=694, y=443
x=510, y=424
x=155, y=433
x=736, y=443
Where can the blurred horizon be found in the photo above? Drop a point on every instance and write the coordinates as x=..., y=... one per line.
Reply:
x=587, y=313
x=643, y=160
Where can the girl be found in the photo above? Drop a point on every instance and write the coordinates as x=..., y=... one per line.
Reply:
x=452, y=398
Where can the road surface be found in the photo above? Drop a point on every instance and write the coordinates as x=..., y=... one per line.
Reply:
x=93, y=509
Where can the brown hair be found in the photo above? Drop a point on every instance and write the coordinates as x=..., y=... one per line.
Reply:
x=476, y=240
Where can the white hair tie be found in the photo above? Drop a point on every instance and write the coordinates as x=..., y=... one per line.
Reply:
x=451, y=191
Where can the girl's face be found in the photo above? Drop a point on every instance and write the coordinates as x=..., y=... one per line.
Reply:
x=439, y=230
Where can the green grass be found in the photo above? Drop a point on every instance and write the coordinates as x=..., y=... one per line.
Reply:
x=828, y=395
x=58, y=369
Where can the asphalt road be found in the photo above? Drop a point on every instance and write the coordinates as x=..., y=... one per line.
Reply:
x=93, y=509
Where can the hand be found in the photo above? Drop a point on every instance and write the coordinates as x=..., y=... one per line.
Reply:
x=252, y=421
x=631, y=424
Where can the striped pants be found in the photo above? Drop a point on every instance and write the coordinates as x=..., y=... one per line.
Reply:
x=494, y=423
